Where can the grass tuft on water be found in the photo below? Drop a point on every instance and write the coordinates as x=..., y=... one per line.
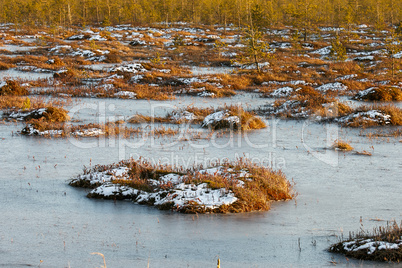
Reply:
x=237, y=186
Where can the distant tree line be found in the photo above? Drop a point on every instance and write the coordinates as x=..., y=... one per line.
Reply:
x=303, y=14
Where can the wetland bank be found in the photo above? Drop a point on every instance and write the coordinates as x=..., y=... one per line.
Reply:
x=178, y=117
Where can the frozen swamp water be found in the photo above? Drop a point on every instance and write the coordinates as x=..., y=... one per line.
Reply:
x=42, y=218
x=15, y=74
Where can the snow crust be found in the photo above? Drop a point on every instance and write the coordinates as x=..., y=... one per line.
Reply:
x=129, y=68
x=282, y=92
x=179, y=194
x=337, y=86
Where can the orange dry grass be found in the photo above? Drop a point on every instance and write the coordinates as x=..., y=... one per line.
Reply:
x=342, y=145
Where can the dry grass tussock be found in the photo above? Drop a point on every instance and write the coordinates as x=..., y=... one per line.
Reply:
x=12, y=88
x=15, y=102
x=391, y=233
x=248, y=120
x=342, y=145
x=257, y=191
x=354, y=86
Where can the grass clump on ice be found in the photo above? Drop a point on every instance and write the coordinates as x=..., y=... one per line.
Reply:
x=373, y=115
x=383, y=244
x=233, y=117
x=12, y=88
x=342, y=145
x=381, y=93
x=238, y=186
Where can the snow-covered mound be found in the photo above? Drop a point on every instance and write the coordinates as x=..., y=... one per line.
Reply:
x=223, y=187
x=282, y=92
x=25, y=115
x=221, y=119
x=126, y=94
x=337, y=86
x=323, y=51
x=369, y=245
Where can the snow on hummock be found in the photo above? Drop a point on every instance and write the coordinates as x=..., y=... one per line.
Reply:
x=90, y=132
x=363, y=93
x=370, y=245
x=22, y=115
x=217, y=117
x=104, y=176
x=129, y=68
x=282, y=92
x=337, y=86
x=126, y=94
x=398, y=55
x=180, y=116
x=30, y=130
x=180, y=194
x=364, y=58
